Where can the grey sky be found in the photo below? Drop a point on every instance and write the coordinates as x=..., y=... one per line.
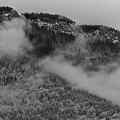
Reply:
x=105, y=12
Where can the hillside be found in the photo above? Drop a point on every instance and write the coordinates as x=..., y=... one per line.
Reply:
x=29, y=92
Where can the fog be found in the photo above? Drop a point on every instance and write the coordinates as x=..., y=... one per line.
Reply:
x=13, y=41
x=98, y=83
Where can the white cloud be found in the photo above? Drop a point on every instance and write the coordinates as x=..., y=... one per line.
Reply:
x=101, y=84
x=12, y=38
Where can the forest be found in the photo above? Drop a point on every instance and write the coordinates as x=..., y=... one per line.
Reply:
x=29, y=92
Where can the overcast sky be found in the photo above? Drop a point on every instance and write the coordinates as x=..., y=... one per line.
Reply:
x=105, y=12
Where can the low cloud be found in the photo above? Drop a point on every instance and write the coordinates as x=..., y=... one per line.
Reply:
x=13, y=41
x=100, y=84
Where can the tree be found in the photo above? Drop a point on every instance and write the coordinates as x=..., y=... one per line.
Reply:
x=116, y=115
x=103, y=115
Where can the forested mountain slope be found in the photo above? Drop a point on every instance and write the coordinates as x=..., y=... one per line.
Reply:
x=28, y=92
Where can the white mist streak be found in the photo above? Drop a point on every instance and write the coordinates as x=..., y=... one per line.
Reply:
x=103, y=85
x=12, y=38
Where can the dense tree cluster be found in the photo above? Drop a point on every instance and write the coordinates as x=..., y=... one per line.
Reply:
x=49, y=32
x=14, y=70
x=90, y=28
x=46, y=40
x=7, y=13
x=53, y=99
x=46, y=17
x=5, y=9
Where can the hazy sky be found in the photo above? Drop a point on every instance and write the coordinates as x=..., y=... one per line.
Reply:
x=105, y=12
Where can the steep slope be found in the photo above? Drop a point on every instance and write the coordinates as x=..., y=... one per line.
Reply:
x=49, y=31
